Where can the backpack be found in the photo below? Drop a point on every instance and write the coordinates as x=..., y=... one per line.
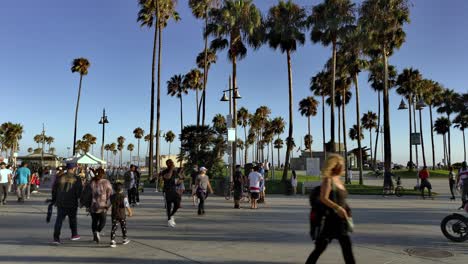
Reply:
x=86, y=196
x=317, y=213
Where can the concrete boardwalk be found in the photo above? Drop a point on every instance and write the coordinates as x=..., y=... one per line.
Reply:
x=276, y=233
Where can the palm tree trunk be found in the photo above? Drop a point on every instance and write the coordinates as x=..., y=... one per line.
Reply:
x=432, y=138
x=339, y=129
x=76, y=115
x=464, y=146
x=290, y=132
x=234, y=113
x=130, y=157
x=358, y=122
x=170, y=143
x=323, y=128
x=343, y=107
x=422, y=138
x=410, y=131
x=205, y=70
x=181, y=115
x=415, y=129
x=158, y=102
x=449, y=156
x=332, y=108
x=445, y=148
x=138, y=152
x=151, y=140
x=246, y=146
x=377, y=133
x=310, y=137
x=197, y=106
x=386, y=108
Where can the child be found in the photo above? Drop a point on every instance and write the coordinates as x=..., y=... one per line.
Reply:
x=119, y=203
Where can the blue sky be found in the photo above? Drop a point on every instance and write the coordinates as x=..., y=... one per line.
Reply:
x=41, y=38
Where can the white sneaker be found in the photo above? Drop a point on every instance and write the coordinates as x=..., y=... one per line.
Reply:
x=173, y=221
x=113, y=244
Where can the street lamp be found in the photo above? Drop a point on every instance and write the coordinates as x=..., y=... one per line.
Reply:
x=403, y=105
x=103, y=122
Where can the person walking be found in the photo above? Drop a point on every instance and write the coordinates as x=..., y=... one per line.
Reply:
x=23, y=175
x=193, y=177
x=424, y=176
x=238, y=181
x=255, y=179
x=5, y=179
x=101, y=190
x=138, y=179
x=130, y=178
x=294, y=182
x=202, y=187
x=66, y=193
x=452, y=183
x=338, y=222
x=120, y=205
x=462, y=181
x=172, y=198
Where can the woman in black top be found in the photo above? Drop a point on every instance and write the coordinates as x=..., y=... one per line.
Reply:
x=338, y=222
x=172, y=198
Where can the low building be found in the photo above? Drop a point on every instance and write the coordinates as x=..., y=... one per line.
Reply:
x=50, y=160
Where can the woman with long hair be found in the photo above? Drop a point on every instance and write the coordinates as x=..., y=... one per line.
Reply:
x=101, y=190
x=338, y=221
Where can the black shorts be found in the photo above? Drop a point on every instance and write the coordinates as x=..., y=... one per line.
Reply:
x=237, y=193
x=254, y=195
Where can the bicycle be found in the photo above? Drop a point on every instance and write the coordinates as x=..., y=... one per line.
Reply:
x=392, y=190
x=455, y=227
x=229, y=193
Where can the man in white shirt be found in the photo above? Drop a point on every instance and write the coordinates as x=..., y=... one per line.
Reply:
x=255, y=178
x=5, y=179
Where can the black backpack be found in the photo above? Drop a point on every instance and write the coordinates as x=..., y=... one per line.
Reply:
x=317, y=213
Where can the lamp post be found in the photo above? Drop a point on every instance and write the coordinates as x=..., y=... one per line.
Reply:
x=103, y=122
x=233, y=95
x=420, y=106
x=403, y=106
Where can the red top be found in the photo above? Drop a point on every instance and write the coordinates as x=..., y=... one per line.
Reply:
x=424, y=174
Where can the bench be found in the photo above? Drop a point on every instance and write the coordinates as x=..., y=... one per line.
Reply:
x=309, y=185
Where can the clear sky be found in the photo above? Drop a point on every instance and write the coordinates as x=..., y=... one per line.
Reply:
x=41, y=38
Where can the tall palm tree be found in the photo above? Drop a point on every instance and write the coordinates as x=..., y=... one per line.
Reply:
x=112, y=148
x=107, y=148
x=448, y=107
x=194, y=80
x=79, y=65
x=461, y=122
x=120, y=147
x=442, y=127
x=156, y=13
x=201, y=10
x=147, y=138
x=377, y=81
x=432, y=97
x=243, y=117
x=320, y=87
x=251, y=142
x=138, y=133
x=90, y=139
x=331, y=21
x=240, y=146
x=369, y=122
x=383, y=22
x=49, y=141
x=210, y=59
x=261, y=117
x=285, y=27
x=130, y=148
x=219, y=124
x=11, y=133
x=308, y=107
x=38, y=139
x=278, y=145
x=236, y=22
x=353, y=133
x=176, y=87
x=169, y=137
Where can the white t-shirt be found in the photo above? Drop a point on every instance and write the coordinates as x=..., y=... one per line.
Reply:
x=255, y=178
x=4, y=174
x=294, y=182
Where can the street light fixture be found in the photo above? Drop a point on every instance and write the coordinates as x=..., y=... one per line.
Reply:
x=403, y=105
x=224, y=98
x=420, y=104
x=103, y=122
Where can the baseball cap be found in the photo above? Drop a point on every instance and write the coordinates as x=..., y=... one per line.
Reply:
x=71, y=165
x=203, y=169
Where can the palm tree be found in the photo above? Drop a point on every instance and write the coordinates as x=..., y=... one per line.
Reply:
x=156, y=13
x=285, y=26
x=83, y=146
x=52, y=150
x=194, y=80
x=219, y=124
x=240, y=145
x=130, y=147
x=353, y=133
x=243, y=117
x=383, y=21
x=38, y=139
x=308, y=108
x=81, y=66
x=376, y=79
x=138, y=133
x=112, y=148
x=278, y=145
x=49, y=141
x=251, y=142
x=201, y=10
x=11, y=133
x=120, y=147
x=169, y=137
x=176, y=87
x=30, y=150
x=147, y=138
x=432, y=97
x=319, y=86
x=369, y=122
x=331, y=21
x=107, y=148
x=461, y=122
x=442, y=127
x=210, y=59
x=448, y=107
x=236, y=22
x=90, y=139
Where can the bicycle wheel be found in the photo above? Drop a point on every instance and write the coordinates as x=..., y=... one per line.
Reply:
x=399, y=191
x=227, y=194
x=455, y=227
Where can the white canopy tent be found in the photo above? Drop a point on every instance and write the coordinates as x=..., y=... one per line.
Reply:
x=86, y=158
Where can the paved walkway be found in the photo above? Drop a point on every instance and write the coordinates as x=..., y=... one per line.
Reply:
x=276, y=233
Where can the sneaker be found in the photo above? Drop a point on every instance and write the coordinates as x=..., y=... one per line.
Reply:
x=126, y=241
x=170, y=223
x=55, y=242
x=113, y=244
x=4, y=202
x=98, y=237
x=74, y=238
x=138, y=204
x=173, y=221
